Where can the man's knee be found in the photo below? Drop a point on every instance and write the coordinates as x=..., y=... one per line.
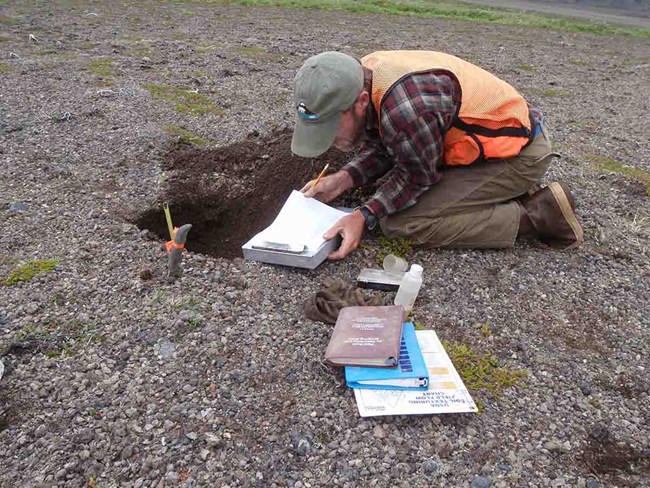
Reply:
x=417, y=231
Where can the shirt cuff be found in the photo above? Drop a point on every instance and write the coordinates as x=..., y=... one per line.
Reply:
x=376, y=208
x=355, y=174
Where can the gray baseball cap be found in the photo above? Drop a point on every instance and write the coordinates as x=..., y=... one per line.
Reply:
x=324, y=87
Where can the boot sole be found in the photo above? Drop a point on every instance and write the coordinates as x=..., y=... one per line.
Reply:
x=568, y=213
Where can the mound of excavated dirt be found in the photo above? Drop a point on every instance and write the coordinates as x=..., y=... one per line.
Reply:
x=229, y=194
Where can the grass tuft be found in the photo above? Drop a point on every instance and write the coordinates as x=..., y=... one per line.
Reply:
x=603, y=163
x=6, y=68
x=481, y=372
x=29, y=271
x=185, y=136
x=6, y=20
x=449, y=9
x=102, y=67
x=55, y=339
x=184, y=101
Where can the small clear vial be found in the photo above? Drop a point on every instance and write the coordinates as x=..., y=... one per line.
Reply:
x=409, y=287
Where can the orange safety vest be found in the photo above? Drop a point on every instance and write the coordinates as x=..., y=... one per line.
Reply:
x=493, y=120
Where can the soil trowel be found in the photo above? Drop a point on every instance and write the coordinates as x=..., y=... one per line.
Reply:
x=175, y=246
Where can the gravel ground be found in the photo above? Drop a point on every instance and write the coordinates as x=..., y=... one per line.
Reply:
x=116, y=378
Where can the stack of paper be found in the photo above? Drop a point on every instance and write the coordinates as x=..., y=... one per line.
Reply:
x=295, y=238
x=446, y=392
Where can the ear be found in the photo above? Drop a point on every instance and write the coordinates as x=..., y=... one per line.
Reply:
x=362, y=102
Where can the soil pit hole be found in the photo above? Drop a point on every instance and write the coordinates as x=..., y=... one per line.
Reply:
x=229, y=194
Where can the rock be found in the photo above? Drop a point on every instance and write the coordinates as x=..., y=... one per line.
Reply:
x=379, y=432
x=189, y=388
x=600, y=433
x=430, y=466
x=18, y=207
x=553, y=446
x=127, y=452
x=592, y=484
x=585, y=389
x=213, y=440
x=192, y=436
x=165, y=349
x=481, y=482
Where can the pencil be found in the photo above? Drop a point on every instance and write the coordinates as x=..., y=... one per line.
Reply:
x=321, y=175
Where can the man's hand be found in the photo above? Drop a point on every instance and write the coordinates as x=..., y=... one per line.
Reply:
x=350, y=228
x=329, y=187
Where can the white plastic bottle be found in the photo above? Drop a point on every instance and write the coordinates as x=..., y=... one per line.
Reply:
x=409, y=287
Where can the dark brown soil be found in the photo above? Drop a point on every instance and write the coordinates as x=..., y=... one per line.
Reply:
x=229, y=194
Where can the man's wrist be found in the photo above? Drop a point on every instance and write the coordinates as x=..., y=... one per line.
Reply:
x=368, y=217
x=345, y=178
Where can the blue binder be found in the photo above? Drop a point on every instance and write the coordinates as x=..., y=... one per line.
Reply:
x=410, y=374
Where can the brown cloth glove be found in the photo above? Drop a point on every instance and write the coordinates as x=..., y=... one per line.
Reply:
x=325, y=304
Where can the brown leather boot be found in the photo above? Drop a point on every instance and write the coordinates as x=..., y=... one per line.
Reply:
x=551, y=210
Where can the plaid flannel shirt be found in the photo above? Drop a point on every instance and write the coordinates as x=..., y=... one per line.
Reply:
x=415, y=115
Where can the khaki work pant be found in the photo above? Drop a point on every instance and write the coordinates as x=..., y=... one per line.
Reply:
x=473, y=206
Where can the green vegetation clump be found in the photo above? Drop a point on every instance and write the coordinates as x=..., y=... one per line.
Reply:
x=4, y=38
x=102, y=67
x=5, y=20
x=55, y=339
x=5, y=68
x=604, y=163
x=253, y=52
x=481, y=372
x=455, y=10
x=184, y=101
x=397, y=246
x=527, y=67
x=185, y=136
x=28, y=271
x=552, y=92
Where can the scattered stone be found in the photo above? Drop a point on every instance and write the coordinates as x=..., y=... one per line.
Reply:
x=592, y=484
x=585, y=389
x=213, y=440
x=430, y=466
x=18, y=207
x=379, y=432
x=481, y=482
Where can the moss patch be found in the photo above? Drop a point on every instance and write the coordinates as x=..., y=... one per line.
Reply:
x=398, y=246
x=6, y=20
x=186, y=136
x=4, y=38
x=5, y=68
x=481, y=372
x=55, y=339
x=528, y=68
x=28, y=271
x=184, y=101
x=102, y=67
x=603, y=163
x=447, y=9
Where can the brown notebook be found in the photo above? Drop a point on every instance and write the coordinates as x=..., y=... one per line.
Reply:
x=366, y=336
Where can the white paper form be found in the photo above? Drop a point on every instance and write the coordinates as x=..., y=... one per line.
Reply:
x=446, y=392
x=301, y=222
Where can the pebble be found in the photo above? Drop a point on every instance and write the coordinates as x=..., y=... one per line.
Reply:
x=481, y=482
x=430, y=466
x=592, y=484
x=379, y=432
x=585, y=389
x=18, y=207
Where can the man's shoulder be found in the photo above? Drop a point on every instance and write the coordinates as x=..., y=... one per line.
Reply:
x=418, y=95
